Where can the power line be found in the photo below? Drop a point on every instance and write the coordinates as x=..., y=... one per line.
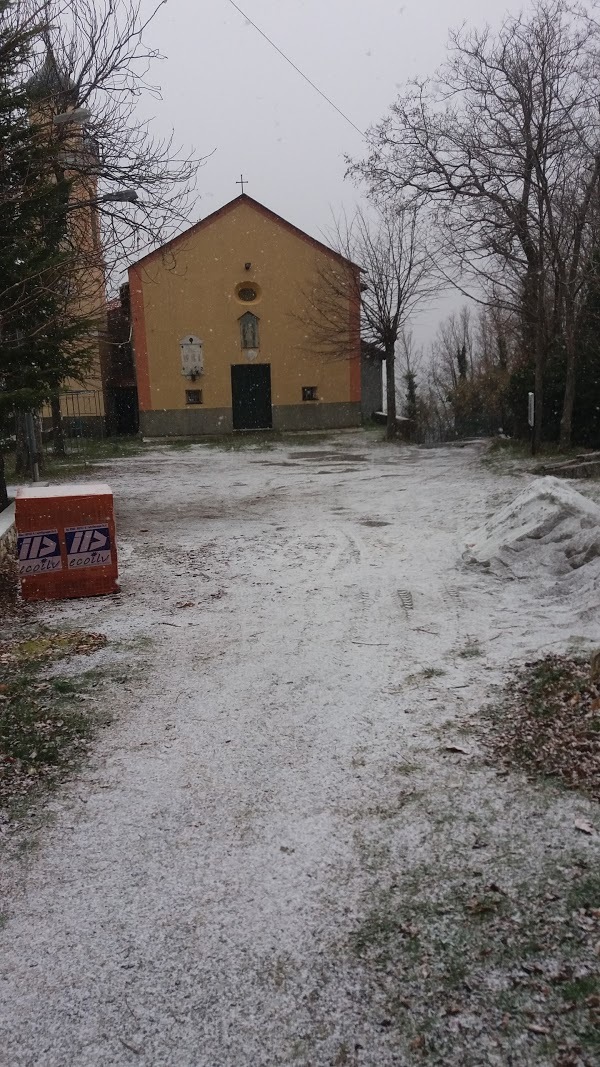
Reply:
x=297, y=69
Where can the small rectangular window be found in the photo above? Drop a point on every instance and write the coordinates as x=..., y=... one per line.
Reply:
x=193, y=396
x=309, y=392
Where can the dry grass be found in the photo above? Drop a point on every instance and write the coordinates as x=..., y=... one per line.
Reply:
x=46, y=720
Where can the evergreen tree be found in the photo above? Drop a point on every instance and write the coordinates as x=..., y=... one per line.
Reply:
x=43, y=339
x=461, y=360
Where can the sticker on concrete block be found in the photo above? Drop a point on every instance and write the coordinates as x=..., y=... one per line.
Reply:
x=38, y=553
x=88, y=546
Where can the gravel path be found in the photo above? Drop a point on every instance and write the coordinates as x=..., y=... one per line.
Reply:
x=191, y=902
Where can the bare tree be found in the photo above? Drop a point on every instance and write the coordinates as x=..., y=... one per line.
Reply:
x=453, y=345
x=502, y=147
x=388, y=273
x=92, y=57
x=94, y=187
x=471, y=359
x=123, y=190
x=436, y=414
x=120, y=189
x=575, y=263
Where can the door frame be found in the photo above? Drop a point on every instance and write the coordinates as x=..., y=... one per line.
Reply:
x=248, y=368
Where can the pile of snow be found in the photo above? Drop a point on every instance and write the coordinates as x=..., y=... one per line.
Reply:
x=549, y=531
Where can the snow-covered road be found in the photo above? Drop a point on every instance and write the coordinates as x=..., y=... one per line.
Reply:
x=316, y=645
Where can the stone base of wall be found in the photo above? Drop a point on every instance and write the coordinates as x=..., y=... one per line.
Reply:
x=315, y=416
x=201, y=422
x=189, y=422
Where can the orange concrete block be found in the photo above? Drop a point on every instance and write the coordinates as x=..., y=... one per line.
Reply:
x=66, y=543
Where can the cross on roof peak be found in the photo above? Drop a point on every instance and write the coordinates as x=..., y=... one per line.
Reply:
x=243, y=181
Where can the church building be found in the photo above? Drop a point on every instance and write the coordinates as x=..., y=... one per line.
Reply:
x=222, y=335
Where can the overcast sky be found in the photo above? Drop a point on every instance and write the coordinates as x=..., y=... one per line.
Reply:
x=225, y=90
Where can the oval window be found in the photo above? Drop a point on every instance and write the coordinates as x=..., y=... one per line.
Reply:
x=247, y=293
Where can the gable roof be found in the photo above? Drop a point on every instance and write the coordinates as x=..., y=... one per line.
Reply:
x=220, y=212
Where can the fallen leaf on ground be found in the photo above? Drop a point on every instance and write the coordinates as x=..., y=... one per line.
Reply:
x=549, y=721
x=584, y=826
x=453, y=1009
x=457, y=748
x=481, y=907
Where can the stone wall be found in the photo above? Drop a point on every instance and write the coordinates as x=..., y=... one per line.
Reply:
x=199, y=422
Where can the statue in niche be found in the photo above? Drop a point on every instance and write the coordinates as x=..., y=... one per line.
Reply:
x=249, y=332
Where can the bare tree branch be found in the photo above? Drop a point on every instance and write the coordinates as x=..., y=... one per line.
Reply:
x=502, y=147
x=388, y=270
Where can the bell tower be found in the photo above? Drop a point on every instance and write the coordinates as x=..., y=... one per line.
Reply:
x=74, y=162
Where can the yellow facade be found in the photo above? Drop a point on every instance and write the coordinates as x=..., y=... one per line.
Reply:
x=82, y=402
x=191, y=289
